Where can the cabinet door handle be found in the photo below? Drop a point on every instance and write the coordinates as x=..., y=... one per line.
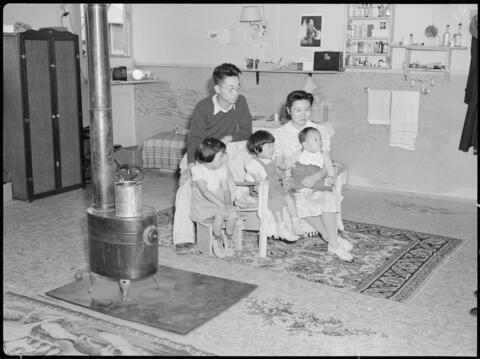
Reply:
x=58, y=115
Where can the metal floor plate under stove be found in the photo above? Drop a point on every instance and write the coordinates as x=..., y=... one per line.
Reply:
x=178, y=301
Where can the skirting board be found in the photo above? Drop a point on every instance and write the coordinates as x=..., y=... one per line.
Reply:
x=407, y=193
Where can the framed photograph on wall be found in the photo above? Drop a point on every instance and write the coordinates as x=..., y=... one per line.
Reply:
x=311, y=30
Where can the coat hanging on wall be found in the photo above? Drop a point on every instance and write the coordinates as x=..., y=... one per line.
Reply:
x=469, y=135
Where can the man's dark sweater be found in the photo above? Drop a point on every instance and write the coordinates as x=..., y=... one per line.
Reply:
x=236, y=122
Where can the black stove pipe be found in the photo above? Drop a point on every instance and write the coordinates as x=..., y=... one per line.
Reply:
x=101, y=128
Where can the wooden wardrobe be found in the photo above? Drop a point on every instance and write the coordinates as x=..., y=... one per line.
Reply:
x=42, y=114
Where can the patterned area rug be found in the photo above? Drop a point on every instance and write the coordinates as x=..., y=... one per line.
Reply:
x=388, y=262
x=35, y=327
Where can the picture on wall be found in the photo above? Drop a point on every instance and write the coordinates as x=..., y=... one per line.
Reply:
x=311, y=30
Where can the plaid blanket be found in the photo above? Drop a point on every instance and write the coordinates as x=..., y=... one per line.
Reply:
x=165, y=150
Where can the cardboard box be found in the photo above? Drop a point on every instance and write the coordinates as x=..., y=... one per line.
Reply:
x=129, y=155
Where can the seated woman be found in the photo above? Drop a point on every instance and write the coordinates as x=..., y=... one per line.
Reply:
x=288, y=149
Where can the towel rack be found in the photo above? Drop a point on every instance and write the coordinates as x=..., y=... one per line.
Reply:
x=423, y=90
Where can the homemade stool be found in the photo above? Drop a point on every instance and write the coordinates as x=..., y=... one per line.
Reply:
x=204, y=235
x=165, y=150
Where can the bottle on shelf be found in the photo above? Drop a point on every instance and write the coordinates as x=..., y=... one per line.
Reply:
x=458, y=37
x=446, y=36
x=374, y=10
x=351, y=10
x=410, y=39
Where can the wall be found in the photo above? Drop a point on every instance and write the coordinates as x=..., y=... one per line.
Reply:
x=179, y=32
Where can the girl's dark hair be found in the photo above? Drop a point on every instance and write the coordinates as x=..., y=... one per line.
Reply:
x=256, y=141
x=208, y=148
x=295, y=96
x=225, y=70
x=302, y=135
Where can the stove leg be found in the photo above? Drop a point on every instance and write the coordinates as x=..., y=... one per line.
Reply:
x=92, y=282
x=124, y=284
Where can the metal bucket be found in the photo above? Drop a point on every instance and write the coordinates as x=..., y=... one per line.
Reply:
x=128, y=198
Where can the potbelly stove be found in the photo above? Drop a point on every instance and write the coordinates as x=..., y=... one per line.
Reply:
x=122, y=233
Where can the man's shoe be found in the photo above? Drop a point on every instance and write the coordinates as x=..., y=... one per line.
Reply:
x=344, y=243
x=184, y=248
x=341, y=253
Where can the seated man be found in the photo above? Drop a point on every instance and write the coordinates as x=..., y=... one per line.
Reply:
x=224, y=116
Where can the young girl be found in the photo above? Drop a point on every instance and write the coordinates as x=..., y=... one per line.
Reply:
x=262, y=167
x=211, y=197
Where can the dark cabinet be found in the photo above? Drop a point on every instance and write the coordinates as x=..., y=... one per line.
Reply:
x=42, y=116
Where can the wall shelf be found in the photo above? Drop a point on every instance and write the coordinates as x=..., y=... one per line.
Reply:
x=408, y=56
x=309, y=73
x=132, y=82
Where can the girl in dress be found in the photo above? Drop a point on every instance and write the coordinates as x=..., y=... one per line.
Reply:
x=261, y=167
x=211, y=195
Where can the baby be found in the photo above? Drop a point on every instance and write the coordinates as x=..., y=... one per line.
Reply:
x=311, y=162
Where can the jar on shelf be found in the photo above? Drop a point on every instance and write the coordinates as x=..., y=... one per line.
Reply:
x=360, y=47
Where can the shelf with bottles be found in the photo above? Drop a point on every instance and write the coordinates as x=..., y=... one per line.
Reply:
x=369, y=11
x=368, y=33
x=368, y=61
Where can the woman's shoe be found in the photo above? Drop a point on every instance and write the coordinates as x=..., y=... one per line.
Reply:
x=285, y=233
x=344, y=243
x=218, y=247
x=341, y=253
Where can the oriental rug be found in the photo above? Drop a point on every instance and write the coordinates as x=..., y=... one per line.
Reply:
x=35, y=327
x=388, y=262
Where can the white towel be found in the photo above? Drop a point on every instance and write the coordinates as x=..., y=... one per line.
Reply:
x=378, y=107
x=404, y=119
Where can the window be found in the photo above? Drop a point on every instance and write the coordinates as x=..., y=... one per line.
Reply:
x=118, y=25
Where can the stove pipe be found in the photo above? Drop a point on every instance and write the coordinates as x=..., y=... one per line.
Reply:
x=101, y=128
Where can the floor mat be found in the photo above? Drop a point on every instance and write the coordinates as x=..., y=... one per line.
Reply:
x=35, y=327
x=177, y=300
x=388, y=262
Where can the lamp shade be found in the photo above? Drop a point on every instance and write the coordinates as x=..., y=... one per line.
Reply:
x=250, y=14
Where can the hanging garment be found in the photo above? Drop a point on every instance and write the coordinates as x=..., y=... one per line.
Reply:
x=469, y=135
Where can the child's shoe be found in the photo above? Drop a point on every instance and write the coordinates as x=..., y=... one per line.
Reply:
x=229, y=250
x=285, y=233
x=341, y=253
x=218, y=247
x=344, y=243
x=297, y=227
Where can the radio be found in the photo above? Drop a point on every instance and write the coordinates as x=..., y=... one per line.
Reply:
x=119, y=73
x=328, y=61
